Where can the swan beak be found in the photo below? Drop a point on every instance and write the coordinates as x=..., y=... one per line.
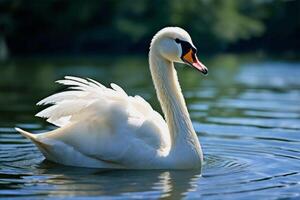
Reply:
x=191, y=59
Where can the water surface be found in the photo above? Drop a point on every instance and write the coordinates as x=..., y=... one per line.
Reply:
x=246, y=113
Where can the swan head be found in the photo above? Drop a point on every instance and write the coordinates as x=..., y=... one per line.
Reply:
x=175, y=45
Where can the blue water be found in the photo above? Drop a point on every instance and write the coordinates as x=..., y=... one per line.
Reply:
x=246, y=113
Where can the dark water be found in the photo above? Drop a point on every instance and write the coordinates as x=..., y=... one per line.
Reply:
x=246, y=113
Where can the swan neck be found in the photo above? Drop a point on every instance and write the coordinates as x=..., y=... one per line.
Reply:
x=171, y=99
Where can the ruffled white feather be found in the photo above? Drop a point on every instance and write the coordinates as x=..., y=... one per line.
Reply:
x=83, y=93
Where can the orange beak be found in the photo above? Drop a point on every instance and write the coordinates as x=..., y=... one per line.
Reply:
x=191, y=59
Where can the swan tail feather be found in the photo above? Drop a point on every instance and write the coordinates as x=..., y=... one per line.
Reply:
x=44, y=148
x=26, y=134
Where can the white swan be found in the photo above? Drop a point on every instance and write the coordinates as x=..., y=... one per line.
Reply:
x=105, y=128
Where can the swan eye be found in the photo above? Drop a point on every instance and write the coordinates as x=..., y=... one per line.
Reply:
x=187, y=50
x=186, y=47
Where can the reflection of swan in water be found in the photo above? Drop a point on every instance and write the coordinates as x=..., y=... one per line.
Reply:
x=176, y=184
x=95, y=182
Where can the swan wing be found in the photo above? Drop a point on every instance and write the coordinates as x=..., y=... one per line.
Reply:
x=104, y=123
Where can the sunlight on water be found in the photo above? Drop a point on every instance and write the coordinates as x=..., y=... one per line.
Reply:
x=246, y=114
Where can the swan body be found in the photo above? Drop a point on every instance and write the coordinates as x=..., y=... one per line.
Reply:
x=103, y=127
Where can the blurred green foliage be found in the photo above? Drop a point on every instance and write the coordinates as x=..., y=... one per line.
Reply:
x=114, y=26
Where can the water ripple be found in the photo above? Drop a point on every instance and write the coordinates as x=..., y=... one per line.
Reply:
x=248, y=126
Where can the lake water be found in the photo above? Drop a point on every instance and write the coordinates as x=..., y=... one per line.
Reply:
x=246, y=113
